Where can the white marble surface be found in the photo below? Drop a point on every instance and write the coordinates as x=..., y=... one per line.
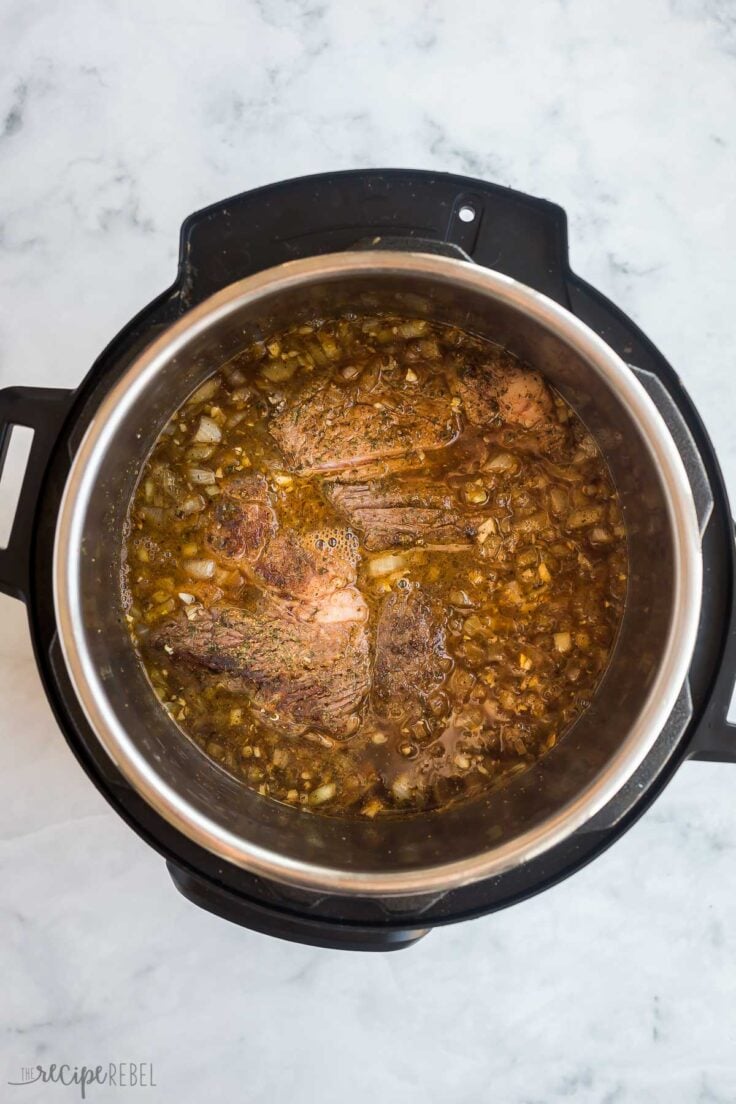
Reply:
x=116, y=120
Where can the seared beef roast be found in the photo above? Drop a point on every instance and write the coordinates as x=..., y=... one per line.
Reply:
x=410, y=511
x=242, y=520
x=299, y=673
x=301, y=650
x=410, y=648
x=241, y=531
x=502, y=389
x=311, y=565
x=513, y=405
x=327, y=428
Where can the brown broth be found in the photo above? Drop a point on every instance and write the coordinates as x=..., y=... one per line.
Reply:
x=530, y=608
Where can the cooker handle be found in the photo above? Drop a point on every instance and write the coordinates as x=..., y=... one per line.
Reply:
x=42, y=409
x=714, y=740
x=283, y=925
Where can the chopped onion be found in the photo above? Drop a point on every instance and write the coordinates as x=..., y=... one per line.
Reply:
x=242, y=394
x=501, y=462
x=201, y=476
x=587, y=515
x=200, y=569
x=485, y=529
x=155, y=515
x=558, y=500
x=402, y=787
x=544, y=573
x=278, y=371
x=414, y=328
x=200, y=452
x=372, y=807
x=474, y=626
x=475, y=494
x=532, y=523
x=165, y=478
x=385, y=565
x=322, y=794
x=318, y=738
x=234, y=376
x=430, y=349
x=329, y=345
x=208, y=431
x=191, y=505
x=206, y=391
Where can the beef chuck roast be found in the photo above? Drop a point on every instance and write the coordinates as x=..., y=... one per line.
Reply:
x=506, y=390
x=300, y=674
x=241, y=531
x=241, y=521
x=300, y=651
x=410, y=648
x=309, y=566
x=514, y=402
x=327, y=428
x=398, y=512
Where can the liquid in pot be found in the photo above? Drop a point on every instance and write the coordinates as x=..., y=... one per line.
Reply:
x=375, y=566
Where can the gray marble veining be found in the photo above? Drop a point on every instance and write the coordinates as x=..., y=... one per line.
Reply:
x=117, y=120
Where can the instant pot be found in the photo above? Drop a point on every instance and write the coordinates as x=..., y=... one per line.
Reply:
x=455, y=250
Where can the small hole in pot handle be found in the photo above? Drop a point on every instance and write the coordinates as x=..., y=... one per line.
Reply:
x=14, y=463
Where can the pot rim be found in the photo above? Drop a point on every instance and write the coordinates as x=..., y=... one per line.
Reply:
x=201, y=829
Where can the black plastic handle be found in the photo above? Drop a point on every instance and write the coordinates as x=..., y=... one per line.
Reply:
x=513, y=233
x=297, y=929
x=715, y=738
x=42, y=409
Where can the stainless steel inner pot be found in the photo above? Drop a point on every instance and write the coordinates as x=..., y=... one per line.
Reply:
x=424, y=853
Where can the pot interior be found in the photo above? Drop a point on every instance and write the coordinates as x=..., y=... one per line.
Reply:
x=552, y=797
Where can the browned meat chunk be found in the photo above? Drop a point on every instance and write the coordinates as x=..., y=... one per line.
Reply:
x=309, y=566
x=380, y=469
x=504, y=389
x=302, y=653
x=300, y=674
x=242, y=520
x=242, y=531
x=409, y=650
x=327, y=428
x=394, y=513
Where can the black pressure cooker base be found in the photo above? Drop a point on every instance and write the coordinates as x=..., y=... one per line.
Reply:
x=523, y=237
